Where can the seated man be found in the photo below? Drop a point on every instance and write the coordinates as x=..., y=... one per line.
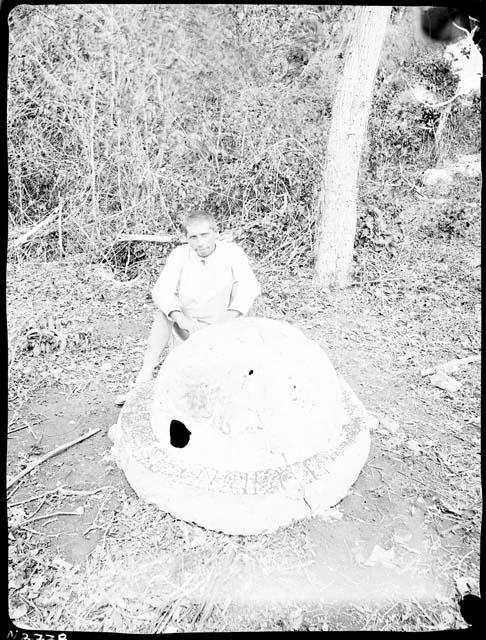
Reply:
x=203, y=282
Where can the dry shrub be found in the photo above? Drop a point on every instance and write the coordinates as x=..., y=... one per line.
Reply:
x=129, y=115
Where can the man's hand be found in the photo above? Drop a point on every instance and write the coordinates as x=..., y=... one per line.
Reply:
x=231, y=314
x=184, y=323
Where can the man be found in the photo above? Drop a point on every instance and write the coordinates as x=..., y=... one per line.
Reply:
x=203, y=282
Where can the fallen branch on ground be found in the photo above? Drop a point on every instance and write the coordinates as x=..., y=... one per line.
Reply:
x=153, y=237
x=451, y=365
x=139, y=237
x=39, y=497
x=73, y=492
x=51, y=454
x=34, y=230
x=65, y=492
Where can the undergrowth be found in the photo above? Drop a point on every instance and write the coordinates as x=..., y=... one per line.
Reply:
x=220, y=107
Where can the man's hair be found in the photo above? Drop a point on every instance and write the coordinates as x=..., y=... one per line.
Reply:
x=197, y=216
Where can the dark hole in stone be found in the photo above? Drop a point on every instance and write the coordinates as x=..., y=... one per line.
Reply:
x=179, y=434
x=250, y=372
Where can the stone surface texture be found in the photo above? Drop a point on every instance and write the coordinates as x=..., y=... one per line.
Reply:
x=276, y=434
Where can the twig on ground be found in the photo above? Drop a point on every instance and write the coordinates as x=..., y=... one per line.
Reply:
x=413, y=186
x=44, y=524
x=78, y=389
x=17, y=429
x=105, y=533
x=363, y=282
x=39, y=497
x=92, y=528
x=66, y=492
x=41, y=533
x=453, y=529
x=462, y=560
x=73, y=492
x=37, y=509
x=14, y=490
x=44, y=516
x=36, y=437
x=52, y=453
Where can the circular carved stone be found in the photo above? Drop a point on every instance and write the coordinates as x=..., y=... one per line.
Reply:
x=247, y=427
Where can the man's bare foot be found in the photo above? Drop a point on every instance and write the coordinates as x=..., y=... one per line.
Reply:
x=120, y=399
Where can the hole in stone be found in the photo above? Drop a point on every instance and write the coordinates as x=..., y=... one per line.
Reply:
x=179, y=434
x=250, y=372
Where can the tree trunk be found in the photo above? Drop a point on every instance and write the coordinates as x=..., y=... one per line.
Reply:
x=339, y=190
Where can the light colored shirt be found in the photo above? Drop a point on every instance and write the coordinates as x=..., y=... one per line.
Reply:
x=205, y=288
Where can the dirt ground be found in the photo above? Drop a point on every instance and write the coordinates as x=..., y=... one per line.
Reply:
x=86, y=554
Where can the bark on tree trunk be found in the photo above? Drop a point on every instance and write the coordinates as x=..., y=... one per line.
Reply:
x=339, y=190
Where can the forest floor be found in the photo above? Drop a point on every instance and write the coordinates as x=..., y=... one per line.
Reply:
x=86, y=554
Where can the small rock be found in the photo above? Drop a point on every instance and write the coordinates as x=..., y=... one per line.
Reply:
x=414, y=446
x=379, y=555
x=473, y=170
x=19, y=612
x=443, y=381
x=433, y=177
x=374, y=422
x=331, y=514
x=407, y=356
x=463, y=585
x=389, y=424
x=417, y=94
x=170, y=628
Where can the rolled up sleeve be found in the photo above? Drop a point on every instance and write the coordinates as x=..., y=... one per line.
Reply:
x=246, y=287
x=165, y=290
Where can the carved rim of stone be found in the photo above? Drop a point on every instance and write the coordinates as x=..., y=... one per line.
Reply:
x=139, y=439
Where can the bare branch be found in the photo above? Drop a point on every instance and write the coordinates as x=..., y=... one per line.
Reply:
x=34, y=230
x=51, y=454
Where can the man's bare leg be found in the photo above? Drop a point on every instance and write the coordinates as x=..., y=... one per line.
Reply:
x=157, y=340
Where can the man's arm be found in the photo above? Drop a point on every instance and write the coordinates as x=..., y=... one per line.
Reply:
x=164, y=292
x=246, y=287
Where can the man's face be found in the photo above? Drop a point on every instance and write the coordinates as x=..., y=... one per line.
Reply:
x=201, y=237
